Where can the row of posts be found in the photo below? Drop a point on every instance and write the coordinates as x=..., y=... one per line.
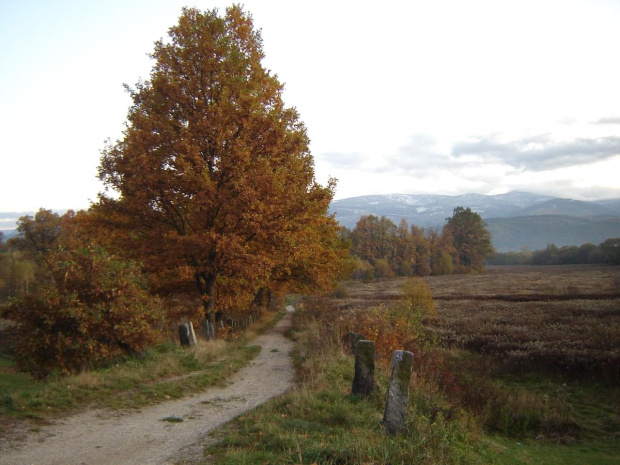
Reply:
x=187, y=335
x=398, y=389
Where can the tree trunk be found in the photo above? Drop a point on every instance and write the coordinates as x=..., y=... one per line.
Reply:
x=206, y=287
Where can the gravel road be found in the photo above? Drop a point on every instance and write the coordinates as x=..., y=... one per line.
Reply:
x=98, y=437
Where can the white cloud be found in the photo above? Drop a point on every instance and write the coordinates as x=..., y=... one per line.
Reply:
x=386, y=91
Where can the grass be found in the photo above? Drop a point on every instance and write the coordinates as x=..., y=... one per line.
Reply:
x=469, y=402
x=517, y=452
x=466, y=405
x=166, y=371
x=321, y=422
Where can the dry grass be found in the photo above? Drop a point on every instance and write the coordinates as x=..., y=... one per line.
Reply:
x=564, y=319
x=560, y=319
x=511, y=340
x=530, y=283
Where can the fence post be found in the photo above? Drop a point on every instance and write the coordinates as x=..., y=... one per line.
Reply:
x=187, y=335
x=363, y=380
x=398, y=392
x=184, y=335
x=353, y=338
x=192, y=334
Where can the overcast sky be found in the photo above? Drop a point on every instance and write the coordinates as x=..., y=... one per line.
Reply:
x=442, y=97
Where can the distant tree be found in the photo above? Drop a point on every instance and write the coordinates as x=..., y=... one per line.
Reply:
x=610, y=251
x=404, y=250
x=523, y=257
x=40, y=233
x=441, y=251
x=213, y=180
x=569, y=255
x=470, y=238
x=18, y=274
x=365, y=237
x=422, y=251
x=589, y=253
x=379, y=242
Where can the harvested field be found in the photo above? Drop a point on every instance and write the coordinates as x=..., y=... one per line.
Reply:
x=564, y=319
x=561, y=319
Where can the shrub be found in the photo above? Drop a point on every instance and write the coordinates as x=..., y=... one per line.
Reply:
x=94, y=308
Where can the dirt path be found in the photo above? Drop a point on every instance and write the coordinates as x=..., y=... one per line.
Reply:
x=98, y=437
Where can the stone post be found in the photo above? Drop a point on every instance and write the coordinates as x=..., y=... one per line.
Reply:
x=353, y=338
x=211, y=330
x=363, y=380
x=192, y=334
x=398, y=392
x=184, y=335
x=187, y=335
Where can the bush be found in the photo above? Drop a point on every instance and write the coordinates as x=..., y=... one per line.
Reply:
x=94, y=308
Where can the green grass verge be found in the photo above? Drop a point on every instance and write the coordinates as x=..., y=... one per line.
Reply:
x=321, y=422
x=507, y=451
x=166, y=371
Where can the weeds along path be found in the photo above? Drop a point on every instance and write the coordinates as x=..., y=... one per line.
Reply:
x=171, y=432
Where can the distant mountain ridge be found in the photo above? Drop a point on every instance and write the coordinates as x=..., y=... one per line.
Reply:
x=515, y=220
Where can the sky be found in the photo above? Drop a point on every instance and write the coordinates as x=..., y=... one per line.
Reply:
x=438, y=97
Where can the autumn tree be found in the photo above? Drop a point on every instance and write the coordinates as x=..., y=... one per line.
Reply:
x=373, y=238
x=470, y=238
x=213, y=181
x=421, y=250
x=441, y=251
x=404, y=250
x=39, y=233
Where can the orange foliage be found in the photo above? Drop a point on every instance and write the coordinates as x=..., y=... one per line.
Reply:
x=213, y=181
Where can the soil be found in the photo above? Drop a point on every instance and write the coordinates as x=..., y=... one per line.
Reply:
x=174, y=432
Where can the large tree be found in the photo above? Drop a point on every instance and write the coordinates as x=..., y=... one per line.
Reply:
x=213, y=180
x=470, y=238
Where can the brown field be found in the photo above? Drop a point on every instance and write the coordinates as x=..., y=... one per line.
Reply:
x=563, y=319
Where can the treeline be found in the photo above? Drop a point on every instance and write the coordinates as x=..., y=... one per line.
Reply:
x=382, y=249
x=607, y=252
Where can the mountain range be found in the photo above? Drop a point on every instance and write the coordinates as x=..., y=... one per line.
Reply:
x=515, y=220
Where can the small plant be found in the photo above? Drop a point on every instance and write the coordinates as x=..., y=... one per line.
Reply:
x=340, y=292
